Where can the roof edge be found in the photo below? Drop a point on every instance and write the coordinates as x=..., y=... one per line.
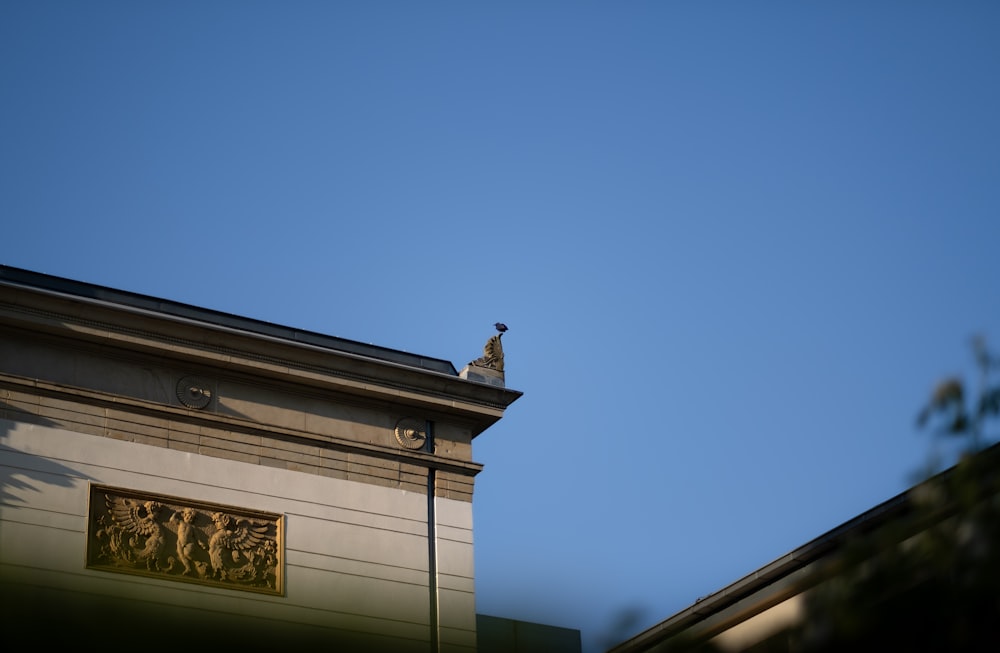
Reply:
x=786, y=565
x=37, y=280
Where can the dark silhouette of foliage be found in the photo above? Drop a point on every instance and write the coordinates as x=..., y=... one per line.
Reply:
x=931, y=580
x=926, y=576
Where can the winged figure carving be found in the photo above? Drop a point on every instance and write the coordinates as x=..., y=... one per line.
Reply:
x=173, y=538
x=134, y=534
x=248, y=545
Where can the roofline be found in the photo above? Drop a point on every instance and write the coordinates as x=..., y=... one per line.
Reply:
x=784, y=566
x=39, y=281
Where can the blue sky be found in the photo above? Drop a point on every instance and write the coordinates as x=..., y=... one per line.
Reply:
x=736, y=244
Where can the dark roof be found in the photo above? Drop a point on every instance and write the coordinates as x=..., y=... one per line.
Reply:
x=16, y=276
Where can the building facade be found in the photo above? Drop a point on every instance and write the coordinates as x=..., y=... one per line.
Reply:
x=172, y=476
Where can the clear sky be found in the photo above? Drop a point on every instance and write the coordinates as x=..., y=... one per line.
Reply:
x=736, y=243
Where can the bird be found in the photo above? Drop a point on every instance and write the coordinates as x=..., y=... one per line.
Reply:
x=501, y=327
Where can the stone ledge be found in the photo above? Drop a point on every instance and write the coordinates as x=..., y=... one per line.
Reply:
x=482, y=375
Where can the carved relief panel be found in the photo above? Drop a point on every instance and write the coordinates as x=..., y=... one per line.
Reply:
x=179, y=539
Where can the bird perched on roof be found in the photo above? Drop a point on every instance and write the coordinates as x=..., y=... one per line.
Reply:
x=501, y=327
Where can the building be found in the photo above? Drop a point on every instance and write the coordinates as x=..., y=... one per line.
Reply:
x=174, y=477
x=501, y=635
x=920, y=571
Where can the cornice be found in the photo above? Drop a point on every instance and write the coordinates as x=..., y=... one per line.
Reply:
x=180, y=338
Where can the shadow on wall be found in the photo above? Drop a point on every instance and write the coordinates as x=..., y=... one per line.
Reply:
x=23, y=473
x=89, y=621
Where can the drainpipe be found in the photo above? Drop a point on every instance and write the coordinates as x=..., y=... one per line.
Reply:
x=432, y=580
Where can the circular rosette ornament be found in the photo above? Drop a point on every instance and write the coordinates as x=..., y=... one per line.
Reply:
x=411, y=433
x=193, y=392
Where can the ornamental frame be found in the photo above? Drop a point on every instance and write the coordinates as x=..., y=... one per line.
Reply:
x=185, y=540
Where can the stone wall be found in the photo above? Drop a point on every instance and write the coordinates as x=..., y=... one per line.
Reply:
x=258, y=488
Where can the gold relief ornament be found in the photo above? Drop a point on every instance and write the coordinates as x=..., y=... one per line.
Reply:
x=178, y=539
x=492, y=357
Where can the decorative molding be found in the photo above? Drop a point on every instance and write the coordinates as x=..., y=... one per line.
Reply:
x=177, y=539
x=234, y=353
x=411, y=433
x=32, y=386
